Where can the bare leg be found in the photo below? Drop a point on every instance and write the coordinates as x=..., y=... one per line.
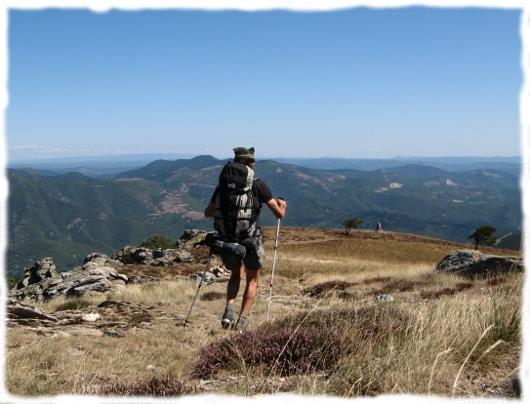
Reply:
x=250, y=291
x=233, y=285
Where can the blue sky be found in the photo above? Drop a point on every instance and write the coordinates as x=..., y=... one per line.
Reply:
x=351, y=83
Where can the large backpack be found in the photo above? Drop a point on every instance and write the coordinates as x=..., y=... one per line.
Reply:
x=235, y=216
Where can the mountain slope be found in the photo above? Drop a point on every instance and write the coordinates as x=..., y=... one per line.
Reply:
x=69, y=215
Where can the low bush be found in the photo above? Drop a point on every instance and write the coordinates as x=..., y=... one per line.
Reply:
x=283, y=352
x=73, y=304
x=320, y=289
x=377, y=279
x=400, y=285
x=155, y=386
x=211, y=296
x=158, y=241
x=495, y=281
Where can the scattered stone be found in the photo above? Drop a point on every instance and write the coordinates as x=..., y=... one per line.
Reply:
x=214, y=274
x=20, y=311
x=113, y=334
x=90, y=317
x=101, y=259
x=472, y=263
x=139, y=279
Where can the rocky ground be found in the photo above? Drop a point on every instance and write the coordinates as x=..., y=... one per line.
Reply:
x=109, y=307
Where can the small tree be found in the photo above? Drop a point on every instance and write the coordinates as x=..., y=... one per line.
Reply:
x=483, y=235
x=352, y=223
x=158, y=241
x=12, y=281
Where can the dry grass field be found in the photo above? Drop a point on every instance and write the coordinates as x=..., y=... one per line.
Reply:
x=441, y=335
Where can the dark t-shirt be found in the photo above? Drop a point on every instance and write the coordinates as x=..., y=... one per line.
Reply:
x=262, y=194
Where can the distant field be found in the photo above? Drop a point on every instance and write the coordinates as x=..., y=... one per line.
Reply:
x=440, y=335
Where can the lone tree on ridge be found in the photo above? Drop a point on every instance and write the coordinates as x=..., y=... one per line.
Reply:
x=483, y=235
x=352, y=223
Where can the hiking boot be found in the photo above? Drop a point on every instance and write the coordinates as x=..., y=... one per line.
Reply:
x=228, y=319
x=241, y=325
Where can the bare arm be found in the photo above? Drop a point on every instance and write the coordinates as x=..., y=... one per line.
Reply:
x=210, y=210
x=277, y=207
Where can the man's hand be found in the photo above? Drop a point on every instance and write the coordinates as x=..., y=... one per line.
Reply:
x=278, y=207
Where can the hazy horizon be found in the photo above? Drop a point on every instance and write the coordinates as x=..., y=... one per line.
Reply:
x=142, y=156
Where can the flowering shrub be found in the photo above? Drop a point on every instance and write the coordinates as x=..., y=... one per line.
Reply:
x=284, y=351
x=155, y=386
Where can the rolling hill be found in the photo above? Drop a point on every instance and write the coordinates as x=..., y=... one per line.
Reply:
x=69, y=215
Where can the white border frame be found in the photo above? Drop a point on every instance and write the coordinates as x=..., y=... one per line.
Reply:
x=262, y=5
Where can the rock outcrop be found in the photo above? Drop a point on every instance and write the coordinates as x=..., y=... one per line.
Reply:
x=93, y=276
x=17, y=311
x=471, y=263
x=190, y=240
x=98, y=272
x=158, y=257
x=39, y=271
x=216, y=273
x=101, y=259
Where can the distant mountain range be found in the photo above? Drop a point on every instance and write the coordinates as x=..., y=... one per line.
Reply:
x=110, y=165
x=68, y=215
x=510, y=165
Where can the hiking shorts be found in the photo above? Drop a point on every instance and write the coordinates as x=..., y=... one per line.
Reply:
x=253, y=260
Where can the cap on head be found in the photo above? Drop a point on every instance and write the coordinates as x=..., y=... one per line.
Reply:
x=242, y=153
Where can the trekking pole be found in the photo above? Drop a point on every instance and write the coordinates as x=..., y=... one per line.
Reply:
x=273, y=266
x=186, y=321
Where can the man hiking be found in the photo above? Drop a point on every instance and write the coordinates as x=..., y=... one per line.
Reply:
x=235, y=206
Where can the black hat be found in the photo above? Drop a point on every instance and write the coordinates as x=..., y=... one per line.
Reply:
x=244, y=153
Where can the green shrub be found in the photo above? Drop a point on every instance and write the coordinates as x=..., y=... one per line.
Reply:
x=12, y=281
x=158, y=241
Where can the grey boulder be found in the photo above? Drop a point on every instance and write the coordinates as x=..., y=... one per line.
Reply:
x=472, y=263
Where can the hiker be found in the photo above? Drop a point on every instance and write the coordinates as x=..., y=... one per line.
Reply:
x=235, y=206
